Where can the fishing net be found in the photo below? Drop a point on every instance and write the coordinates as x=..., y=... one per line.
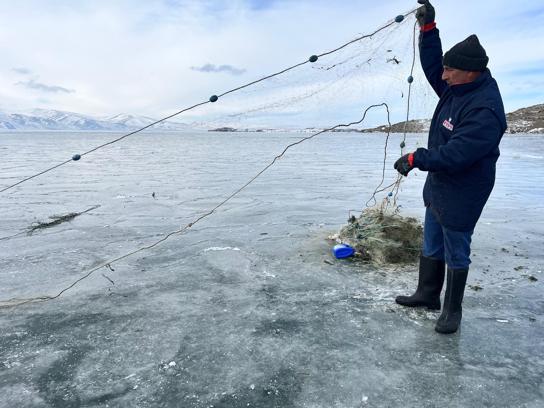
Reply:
x=332, y=90
x=371, y=80
x=338, y=88
x=383, y=237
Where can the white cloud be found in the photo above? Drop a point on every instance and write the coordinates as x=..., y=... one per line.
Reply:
x=21, y=70
x=212, y=68
x=33, y=84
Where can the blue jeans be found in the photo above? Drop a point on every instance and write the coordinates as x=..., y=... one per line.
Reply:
x=444, y=244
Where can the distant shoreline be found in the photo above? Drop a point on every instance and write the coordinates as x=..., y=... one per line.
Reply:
x=528, y=120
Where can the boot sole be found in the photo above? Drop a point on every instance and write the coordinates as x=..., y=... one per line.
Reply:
x=430, y=307
x=442, y=331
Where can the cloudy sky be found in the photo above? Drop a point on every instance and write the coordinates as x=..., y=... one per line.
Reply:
x=154, y=57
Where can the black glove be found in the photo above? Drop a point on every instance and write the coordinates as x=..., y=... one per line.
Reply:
x=405, y=164
x=425, y=14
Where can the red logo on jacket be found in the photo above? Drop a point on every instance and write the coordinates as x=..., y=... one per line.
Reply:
x=448, y=125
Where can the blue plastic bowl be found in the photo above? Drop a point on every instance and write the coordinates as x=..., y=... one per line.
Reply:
x=342, y=251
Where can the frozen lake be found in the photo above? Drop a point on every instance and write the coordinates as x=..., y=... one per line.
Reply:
x=248, y=307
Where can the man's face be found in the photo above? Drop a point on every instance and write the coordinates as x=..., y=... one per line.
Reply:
x=454, y=76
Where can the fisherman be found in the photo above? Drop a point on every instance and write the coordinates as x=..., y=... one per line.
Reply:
x=463, y=147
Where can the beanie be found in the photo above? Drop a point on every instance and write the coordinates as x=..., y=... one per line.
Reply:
x=468, y=55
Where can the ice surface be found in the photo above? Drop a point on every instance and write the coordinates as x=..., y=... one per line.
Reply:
x=270, y=324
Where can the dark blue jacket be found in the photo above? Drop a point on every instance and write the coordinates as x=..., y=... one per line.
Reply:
x=463, y=145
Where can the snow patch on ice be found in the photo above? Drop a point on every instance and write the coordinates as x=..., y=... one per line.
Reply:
x=222, y=249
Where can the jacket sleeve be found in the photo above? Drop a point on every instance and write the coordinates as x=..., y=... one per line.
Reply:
x=474, y=138
x=430, y=53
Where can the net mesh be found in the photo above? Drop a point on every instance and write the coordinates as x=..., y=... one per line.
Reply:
x=336, y=89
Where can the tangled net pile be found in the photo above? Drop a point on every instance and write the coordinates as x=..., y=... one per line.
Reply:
x=383, y=237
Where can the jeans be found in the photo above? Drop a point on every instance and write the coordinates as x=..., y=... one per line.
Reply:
x=444, y=244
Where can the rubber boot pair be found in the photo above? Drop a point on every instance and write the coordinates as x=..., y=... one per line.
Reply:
x=431, y=280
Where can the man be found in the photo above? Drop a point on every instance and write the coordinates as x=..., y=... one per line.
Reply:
x=463, y=147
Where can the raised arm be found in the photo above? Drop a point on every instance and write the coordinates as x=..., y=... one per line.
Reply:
x=430, y=47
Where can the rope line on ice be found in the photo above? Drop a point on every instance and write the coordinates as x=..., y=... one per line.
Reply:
x=214, y=98
x=17, y=302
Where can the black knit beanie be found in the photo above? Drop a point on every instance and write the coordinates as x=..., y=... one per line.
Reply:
x=468, y=55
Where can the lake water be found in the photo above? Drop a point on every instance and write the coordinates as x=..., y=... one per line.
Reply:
x=242, y=309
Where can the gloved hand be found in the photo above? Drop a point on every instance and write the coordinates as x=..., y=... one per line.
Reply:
x=405, y=164
x=425, y=14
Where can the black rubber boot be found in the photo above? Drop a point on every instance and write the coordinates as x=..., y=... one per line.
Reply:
x=449, y=320
x=429, y=286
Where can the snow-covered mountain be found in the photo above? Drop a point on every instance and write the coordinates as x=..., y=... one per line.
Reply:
x=41, y=119
x=138, y=122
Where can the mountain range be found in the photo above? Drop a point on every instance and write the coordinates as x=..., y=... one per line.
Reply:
x=525, y=120
x=41, y=119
